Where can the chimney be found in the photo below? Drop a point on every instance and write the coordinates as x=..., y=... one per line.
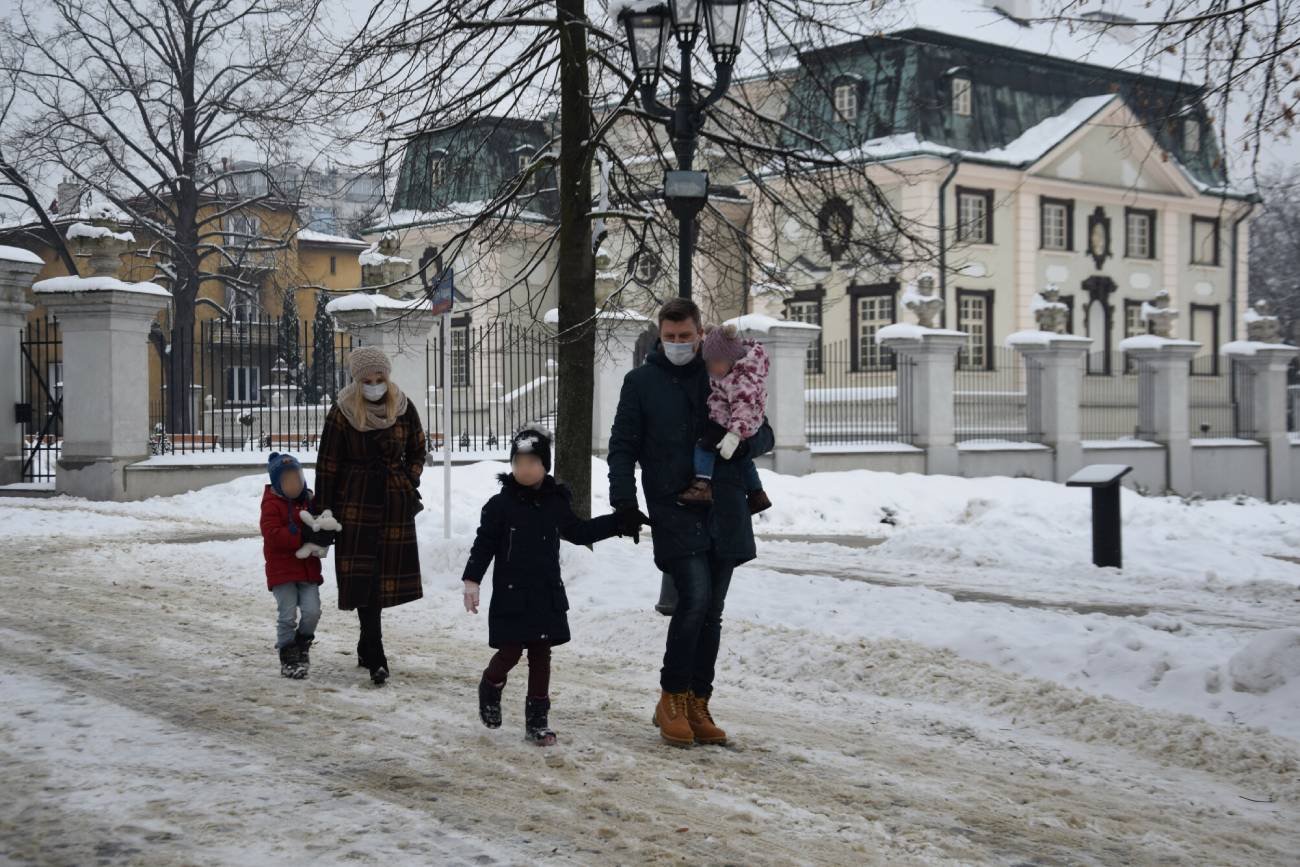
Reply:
x=70, y=196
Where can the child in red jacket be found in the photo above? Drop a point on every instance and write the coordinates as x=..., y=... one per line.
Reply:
x=294, y=580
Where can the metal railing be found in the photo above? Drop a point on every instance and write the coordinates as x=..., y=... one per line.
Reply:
x=1218, y=403
x=991, y=402
x=503, y=378
x=246, y=389
x=40, y=412
x=1110, y=396
x=847, y=405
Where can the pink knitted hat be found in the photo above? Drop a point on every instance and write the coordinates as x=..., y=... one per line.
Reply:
x=723, y=343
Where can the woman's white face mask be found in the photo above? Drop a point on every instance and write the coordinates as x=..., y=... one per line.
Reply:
x=375, y=391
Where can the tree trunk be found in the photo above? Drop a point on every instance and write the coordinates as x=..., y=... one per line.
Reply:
x=576, y=270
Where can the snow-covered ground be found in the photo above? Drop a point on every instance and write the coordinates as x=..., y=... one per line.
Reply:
x=968, y=690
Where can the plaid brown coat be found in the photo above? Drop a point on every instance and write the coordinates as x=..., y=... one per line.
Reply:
x=368, y=480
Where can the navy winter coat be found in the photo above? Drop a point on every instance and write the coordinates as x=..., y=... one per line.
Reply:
x=662, y=411
x=521, y=529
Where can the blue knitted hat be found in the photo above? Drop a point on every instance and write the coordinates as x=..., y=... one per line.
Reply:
x=276, y=465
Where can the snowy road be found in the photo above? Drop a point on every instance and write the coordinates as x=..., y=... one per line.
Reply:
x=144, y=722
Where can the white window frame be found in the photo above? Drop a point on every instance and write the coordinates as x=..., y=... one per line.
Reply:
x=871, y=355
x=460, y=356
x=974, y=353
x=973, y=228
x=1056, y=219
x=811, y=313
x=1191, y=135
x=1211, y=225
x=962, y=96
x=437, y=171
x=846, y=101
x=1133, y=219
x=243, y=385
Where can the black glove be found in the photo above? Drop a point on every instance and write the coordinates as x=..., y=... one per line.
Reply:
x=630, y=520
x=713, y=434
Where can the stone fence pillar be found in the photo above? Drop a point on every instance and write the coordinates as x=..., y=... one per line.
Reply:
x=927, y=360
x=1264, y=366
x=104, y=324
x=1055, y=363
x=18, y=268
x=1163, y=398
x=401, y=328
x=616, y=337
x=787, y=348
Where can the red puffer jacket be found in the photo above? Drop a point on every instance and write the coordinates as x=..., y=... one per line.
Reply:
x=281, y=539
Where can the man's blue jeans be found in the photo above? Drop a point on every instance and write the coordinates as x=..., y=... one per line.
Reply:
x=299, y=611
x=695, y=632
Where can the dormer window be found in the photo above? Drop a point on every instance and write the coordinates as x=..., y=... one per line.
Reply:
x=961, y=96
x=1191, y=134
x=846, y=101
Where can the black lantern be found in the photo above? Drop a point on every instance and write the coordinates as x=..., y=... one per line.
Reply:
x=647, y=34
x=686, y=18
x=726, y=23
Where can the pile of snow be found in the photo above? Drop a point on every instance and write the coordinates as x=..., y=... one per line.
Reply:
x=73, y=285
x=1252, y=347
x=18, y=254
x=313, y=237
x=757, y=323
x=907, y=331
x=1269, y=661
x=373, y=302
x=85, y=230
x=1152, y=341
x=1035, y=337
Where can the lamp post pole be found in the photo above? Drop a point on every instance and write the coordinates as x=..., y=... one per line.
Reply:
x=686, y=191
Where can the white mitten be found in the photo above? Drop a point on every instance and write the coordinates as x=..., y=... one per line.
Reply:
x=727, y=445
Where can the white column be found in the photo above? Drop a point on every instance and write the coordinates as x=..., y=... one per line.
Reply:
x=926, y=363
x=616, y=337
x=1163, y=370
x=787, y=348
x=401, y=329
x=18, y=268
x=1266, y=366
x=104, y=324
x=1055, y=392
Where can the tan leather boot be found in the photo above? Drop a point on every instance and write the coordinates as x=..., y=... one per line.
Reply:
x=701, y=721
x=670, y=718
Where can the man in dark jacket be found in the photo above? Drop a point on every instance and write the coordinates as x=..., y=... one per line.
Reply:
x=661, y=414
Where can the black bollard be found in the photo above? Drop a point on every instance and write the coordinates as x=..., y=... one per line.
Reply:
x=1107, y=530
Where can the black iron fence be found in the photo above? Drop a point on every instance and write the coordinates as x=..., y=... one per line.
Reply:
x=40, y=412
x=990, y=401
x=230, y=386
x=1218, y=399
x=503, y=377
x=847, y=402
x=1110, y=396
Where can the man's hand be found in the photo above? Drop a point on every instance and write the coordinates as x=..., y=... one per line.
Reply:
x=630, y=520
x=471, y=596
x=728, y=444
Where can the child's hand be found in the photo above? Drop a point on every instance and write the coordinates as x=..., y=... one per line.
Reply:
x=471, y=597
x=727, y=446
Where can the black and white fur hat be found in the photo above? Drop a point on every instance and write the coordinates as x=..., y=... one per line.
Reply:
x=532, y=441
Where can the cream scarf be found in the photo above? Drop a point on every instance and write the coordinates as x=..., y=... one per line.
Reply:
x=365, y=415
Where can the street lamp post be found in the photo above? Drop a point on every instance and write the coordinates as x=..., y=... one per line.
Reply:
x=685, y=190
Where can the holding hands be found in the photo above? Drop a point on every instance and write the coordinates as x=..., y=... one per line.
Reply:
x=630, y=520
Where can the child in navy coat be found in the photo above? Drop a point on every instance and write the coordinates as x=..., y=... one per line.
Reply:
x=521, y=528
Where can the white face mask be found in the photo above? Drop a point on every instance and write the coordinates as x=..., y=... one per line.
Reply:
x=374, y=392
x=679, y=353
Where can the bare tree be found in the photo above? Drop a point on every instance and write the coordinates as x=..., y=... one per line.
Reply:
x=458, y=70
x=1275, y=249
x=143, y=102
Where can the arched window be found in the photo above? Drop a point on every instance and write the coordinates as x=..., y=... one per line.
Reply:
x=845, y=96
x=962, y=93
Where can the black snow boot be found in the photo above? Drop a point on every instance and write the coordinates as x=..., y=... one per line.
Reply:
x=489, y=703
x=537, y=728
x=304, y=652
x=361, y=656
x=289, y=665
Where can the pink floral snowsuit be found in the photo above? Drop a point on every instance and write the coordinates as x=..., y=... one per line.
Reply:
x=738, y=401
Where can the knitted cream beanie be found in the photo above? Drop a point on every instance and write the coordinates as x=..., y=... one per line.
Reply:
x=367, y=361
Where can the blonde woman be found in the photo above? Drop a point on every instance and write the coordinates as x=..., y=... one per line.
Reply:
x=372, y=452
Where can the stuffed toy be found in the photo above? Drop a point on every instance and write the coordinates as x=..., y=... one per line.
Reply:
x=318, y=533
